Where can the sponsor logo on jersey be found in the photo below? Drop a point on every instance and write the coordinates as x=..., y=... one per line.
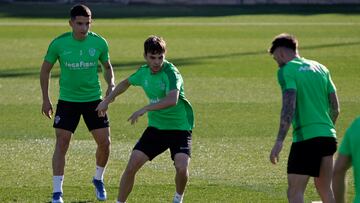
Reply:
x=162, y=85
x=307, y=68
x=67, y=52
x=92, y=51
x=80, y=65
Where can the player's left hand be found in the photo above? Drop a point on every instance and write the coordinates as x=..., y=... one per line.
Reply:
x=274, y=155
x=134, y=117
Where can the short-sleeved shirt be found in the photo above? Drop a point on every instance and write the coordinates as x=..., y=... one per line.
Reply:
x=313, y=84
x=350, y=147
x=156, y=87
x=79, y=81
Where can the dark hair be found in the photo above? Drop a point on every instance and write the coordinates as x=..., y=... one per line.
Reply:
x=284, y=40
x=154, y=45
x=79, y=10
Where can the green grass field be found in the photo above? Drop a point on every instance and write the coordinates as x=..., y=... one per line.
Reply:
x=229, y=78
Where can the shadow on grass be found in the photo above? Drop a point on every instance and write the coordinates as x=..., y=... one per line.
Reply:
x=158, y=11
x=32, y=72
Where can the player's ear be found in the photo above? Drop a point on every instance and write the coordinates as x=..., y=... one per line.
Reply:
x=144, y=55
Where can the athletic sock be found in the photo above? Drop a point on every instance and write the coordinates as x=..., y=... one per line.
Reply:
x=57, y=183
x=99, y=174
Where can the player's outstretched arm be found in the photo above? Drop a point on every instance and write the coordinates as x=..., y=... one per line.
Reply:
x=171, y=99
x=119, y=89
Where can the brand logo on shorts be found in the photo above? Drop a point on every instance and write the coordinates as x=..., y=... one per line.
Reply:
x=184, y=147
x=57, y=119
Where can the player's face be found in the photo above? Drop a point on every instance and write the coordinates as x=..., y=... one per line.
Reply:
x=155, y=61
x=278, y=56
x=80, y=26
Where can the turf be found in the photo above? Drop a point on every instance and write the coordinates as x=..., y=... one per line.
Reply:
x=229, y=78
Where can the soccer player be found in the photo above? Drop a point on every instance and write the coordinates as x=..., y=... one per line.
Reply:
x=170, y=117
x=310, y=103
x=78, y=53
x=348, y=156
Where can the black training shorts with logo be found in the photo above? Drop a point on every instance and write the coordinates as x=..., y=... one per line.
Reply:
x=154, y=142
x=68, y=114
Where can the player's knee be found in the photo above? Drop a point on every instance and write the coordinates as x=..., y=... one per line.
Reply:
x=294, y=194
x=182, y=171
x=130, y=171
x=132, y=167
x=105, y=144
x=290, y=195
x=62, y=146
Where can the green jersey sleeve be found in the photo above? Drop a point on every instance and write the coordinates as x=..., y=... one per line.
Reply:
x=345, y=144
x=175, y=79
x=331, y=85
x=52, y=53
x=136, y=78
x=286, y=78
x=104, y=56
x=352, y=131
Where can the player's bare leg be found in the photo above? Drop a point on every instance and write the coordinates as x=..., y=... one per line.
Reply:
x=136, y=161
x=63, y=138
x=181, y=162
x=323, y=182
x=296, y=187
x=102, y=138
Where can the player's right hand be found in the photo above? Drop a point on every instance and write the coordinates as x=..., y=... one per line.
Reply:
x=274, y=154
x=102, y=108
x=135, y=116
x=47, y=109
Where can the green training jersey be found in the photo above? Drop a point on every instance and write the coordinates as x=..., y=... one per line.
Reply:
x=79, y=80
x=156, y=87
x=350, y=147
x=313, y=84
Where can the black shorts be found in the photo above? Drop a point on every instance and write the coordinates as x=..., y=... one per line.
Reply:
x=154, y=142
x=68, y=114
x=305, y=156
